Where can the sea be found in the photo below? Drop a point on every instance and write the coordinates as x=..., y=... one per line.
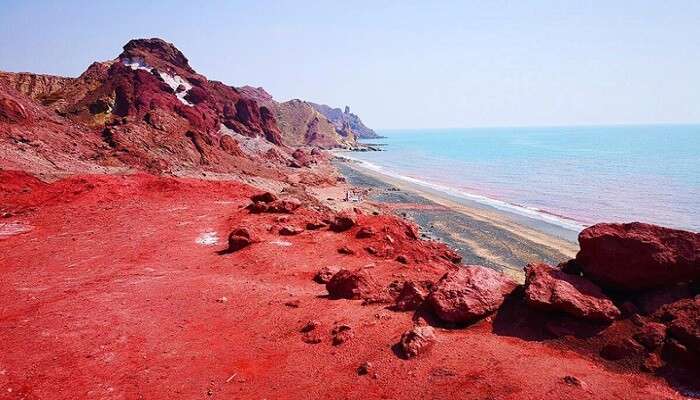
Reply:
x=569, y=176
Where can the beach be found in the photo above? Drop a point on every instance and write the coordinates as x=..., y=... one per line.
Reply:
x=482, y=234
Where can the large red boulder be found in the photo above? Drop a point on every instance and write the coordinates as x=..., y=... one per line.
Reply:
x=357, y=284
x=638, y=256
x=468, y=293
x=551, y=289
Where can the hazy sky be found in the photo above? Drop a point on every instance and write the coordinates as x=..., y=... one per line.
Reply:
x=401, y=64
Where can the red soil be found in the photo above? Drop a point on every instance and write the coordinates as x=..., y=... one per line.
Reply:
x=109, y=295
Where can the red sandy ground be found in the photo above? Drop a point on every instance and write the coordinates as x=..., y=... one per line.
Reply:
x=109, y=296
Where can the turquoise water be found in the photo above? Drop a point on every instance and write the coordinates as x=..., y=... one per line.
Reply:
x=574, y=176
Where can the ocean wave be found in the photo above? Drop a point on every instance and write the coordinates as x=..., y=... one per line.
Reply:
x=521, y=210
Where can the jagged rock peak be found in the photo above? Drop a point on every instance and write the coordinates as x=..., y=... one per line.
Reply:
x=154, y=50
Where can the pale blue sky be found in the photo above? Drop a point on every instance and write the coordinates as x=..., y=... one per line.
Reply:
x=401, y=64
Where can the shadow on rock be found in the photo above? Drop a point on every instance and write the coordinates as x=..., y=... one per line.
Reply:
x=516, y=319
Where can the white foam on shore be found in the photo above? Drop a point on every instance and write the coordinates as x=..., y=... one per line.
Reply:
x=530, y=212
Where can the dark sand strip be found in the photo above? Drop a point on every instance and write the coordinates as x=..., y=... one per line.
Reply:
x=481, y=234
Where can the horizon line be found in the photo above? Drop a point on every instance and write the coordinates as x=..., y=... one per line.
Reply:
x=576, y=125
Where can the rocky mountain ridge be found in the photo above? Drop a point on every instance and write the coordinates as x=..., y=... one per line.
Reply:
x=148, y=109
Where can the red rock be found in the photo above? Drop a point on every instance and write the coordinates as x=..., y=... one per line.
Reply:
x=365, y=232
x=417, y=341
x=12, y=111
x=286, y=205
x=411, y=231
x=290, y=230
x=311, y=337
x=452, y=256
x=683, y=321
x=310, y=326
x=364, y=368
x=293, y=303
x=619, y=350
x=325, y=274
x=468, y=293
x=412, y=295
x=402, y=259
x=341, y=333
x=551, y=289
x=342, y=223
x=357, y=284
x=258, y=207
x=315, y=225
x=638, y=256
x=346, y=250
x=652, y=300
x=239, y=238
x=230, y=146
x=265, y=197
x=302, y=159
x=574, y=381
x=652, y=362
x=651, y=335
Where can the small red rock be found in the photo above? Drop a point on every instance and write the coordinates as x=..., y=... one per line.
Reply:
x=238, y=239
x=651, y=335
x=286, y=205
x=315, y=225
x=365, y=232
x=325, y=274
x=346, y=250
x=341, y=333
x=412, y=295
x=342, y=223
x=265, y=197
x=290, y=231
x=417, y=341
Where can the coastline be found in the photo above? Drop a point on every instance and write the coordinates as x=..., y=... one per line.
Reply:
x=481, y=233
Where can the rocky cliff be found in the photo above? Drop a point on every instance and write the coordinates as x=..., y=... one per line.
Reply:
x=344, y=119
x=302, y=124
